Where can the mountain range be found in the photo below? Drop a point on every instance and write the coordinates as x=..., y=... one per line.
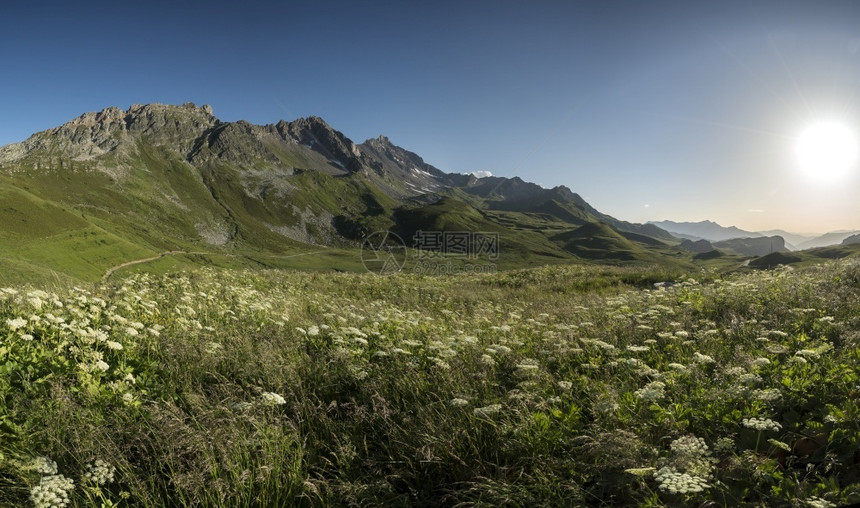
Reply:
x=173, y=185
x=713, y=232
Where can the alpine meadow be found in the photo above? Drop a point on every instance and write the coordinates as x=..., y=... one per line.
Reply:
x=629, y=277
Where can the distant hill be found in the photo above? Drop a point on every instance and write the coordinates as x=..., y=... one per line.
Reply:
x=825, y=240
x=704, y=230
x=711, y=231
x=792, y=240
x=753, y=246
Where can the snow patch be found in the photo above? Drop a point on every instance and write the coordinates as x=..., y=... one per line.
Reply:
x=481, y=174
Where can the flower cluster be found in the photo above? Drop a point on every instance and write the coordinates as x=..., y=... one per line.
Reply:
x=652, y=392
x=52, y=492
x=100, y=472
x=272, y=399
x=672, y=481
x=761, y=424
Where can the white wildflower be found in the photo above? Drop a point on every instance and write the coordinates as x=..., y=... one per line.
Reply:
x=43, y=465
x=457, y=402
x=52, y=492
x=16, y=323
x=651, y=392
x=817, y=502
x=100, y=472
x=273, y=399
x=761, y=424
x=767, y=395
x=760, y=362
x=700, y=358
x=679, y=483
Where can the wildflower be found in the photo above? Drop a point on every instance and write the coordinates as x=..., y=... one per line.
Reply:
x=565, y=385
x=777, y=349
x=100, y=472
x=689, y=445
x=458, y=402
x=760, y=362
x=768, y=394
x=779, y=444
x=442, y=364
x=679, y=483
x=16, y=323
x=43, y=465
x=817, y=502
x=52, y=492
x=527, y=365
x=112, y=344
x=131, y=332
x=487, y=360
x=680, y=367
x=761, y=424
x=127, y=398
x=241, y=406
x=700, y=358
x=498, y=349
x=637, y=349
x=640, y=471
x=750, y=379
x=651, y=392
x=487, y=410
x=735, y=371
x=724, y=445
x=102, y=365
x=273, y=399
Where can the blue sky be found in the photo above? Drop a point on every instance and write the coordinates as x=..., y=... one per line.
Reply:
x=650, y=110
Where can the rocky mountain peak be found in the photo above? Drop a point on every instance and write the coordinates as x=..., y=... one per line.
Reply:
x=96, y=133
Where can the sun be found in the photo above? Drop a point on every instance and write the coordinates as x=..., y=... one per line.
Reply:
x=826, y=150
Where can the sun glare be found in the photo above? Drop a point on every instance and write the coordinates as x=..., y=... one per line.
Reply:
x=827, y=150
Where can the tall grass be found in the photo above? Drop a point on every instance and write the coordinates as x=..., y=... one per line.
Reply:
x=562, y=386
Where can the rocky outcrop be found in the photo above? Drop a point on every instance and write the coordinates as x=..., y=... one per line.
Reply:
x=317, y=135
x=94, y=134
x=851, y=240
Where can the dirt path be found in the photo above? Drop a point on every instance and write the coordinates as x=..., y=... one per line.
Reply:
x=112, y=269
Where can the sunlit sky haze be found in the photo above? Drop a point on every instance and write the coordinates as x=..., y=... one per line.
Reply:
x=650, y=110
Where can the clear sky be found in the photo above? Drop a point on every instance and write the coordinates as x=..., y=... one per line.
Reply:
x=650, y=110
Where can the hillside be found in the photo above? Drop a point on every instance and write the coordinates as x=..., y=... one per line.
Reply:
x=120, y=185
